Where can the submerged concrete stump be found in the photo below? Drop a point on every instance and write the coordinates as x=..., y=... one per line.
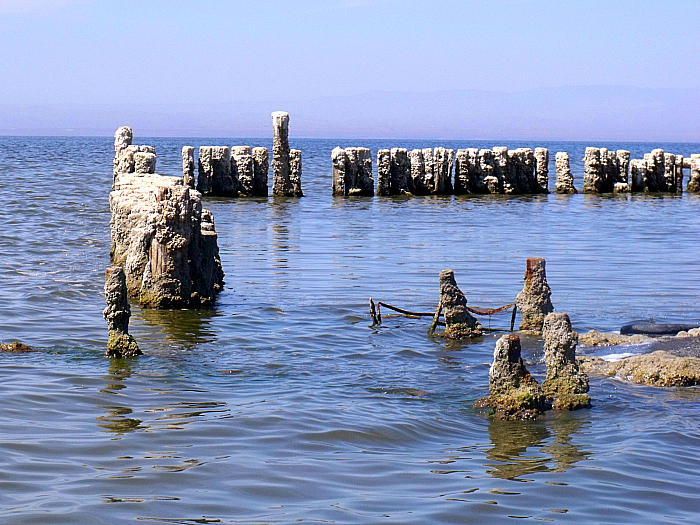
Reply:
x=521, y=178
x=352, y=172
x=261, y=166
x=565, y=180
x=621, y=181
x=242, y=172
x=534, y=300
x=431, y=171
x=165, y=241
x=117, y=314
x=394, y=175
x=215, y=172
x=383, y=172
x=443, y=162
x=638, y=176
x=679, y=174
x=593, y=178
x=565, y=386
x=286, y=163
x=484, y=179
x=459, y=323
x=188, y=177
x=542, y=170
x=513, y=392
x=462, y=180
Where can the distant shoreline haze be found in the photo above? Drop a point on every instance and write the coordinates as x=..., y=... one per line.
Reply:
x=612, y=113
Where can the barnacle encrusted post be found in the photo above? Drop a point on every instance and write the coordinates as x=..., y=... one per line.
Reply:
x=534, y=300
x=117, y=314
x=459, y=322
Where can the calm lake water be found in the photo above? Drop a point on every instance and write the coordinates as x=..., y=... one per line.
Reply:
x=281, y=405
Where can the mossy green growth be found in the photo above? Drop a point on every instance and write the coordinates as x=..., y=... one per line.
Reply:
x=462, y=331
x=567, y=392
x=122, y=345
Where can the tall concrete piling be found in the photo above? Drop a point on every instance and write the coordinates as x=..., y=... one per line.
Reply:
x=188, y=177
x=513, y=392
x=542, y=170
x=565, y=180
x=459, y=323
x=164, y=240
x=534, y=300
x=394, y=175
x=117, y=314
x=593, y=177
x=286, y=163
x=352, y=172
x=565, y=386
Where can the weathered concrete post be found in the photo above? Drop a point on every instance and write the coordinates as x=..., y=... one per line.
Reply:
x=352, y=172
x=622, y=181
x=534, y=300
x=639, y=175
x=542, y=170
x=242, y=171
x=459, y=322
x=694, y=177
x=593, y=177
x=144, y=162
x=462, y=182
x=565, y=384
x=286, y=163
x=188, y=177
x=513, y=392
x=123, y=161
x=261, y=166
x=418, y=167
x=679, y=174
x=117, y=314
x=215, y=172
x=485, y=180
x=383, y=173
x=658, y=168
x=443, y=161
x=565, y=180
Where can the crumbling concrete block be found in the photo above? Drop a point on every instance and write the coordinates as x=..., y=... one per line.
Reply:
x=188, y=176
x=541, y=170
x=694, y=177
x=513, y=392
x=565, y=180
x=459, y=323
x=242, y=171
x=215, y=172
x=352, y=172
x=261, y=166
x=144, y=162
x=565, y=386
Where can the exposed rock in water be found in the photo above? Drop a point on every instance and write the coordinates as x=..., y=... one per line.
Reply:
x=117, y=314
x=286, y=163
x=565, y=384
x=658, y=368
x=513, y=392
x=165, y=241
x=352, y=172
x=565, y=180
x=534, y=300
x=459, y=322
x=15, y=348
x=595, y=338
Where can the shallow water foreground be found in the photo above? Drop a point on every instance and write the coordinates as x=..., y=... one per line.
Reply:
x=281, y=405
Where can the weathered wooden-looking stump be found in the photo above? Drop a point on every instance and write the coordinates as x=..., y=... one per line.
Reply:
x=117, y=314
x=352, y=172
x=565, y=180
x=459, y=323
x=534, y=300
x=286, y=163
x=513, y=392
x=188, y=176
x=165, y=241
x=565, y=385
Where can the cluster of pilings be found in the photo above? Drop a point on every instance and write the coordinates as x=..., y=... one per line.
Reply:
x=614, y=172
x=242, y=171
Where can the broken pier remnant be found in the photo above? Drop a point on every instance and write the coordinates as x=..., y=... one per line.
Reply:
x=117, y=313
x=534, y=300
x=286, y=163
x=188, y=177
x=565, y=386
x=352, y=172
x=513, y=392
x=130, y=158
x=459, y=323
x=565, y=180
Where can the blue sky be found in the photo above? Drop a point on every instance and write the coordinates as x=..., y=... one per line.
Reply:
x=120, y=57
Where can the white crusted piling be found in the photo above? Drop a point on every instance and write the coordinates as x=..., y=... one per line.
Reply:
x=215, y=172
x=694, y=177
x=286, y=179
x=261, y=166
x=188, y=176
x=542, y=170
x=443, y=161
x=565, y=181
x=295, y=174
x=352, y=172
x=592, y=171
x=383, y=174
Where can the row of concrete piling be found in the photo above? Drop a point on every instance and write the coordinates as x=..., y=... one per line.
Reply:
x=503, y=171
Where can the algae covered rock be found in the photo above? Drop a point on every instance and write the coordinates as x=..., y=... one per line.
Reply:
x=15, y=347
x=459, y=322
x=596, y=338
x=534, y=300
x=117, y=314
x=658, y=368
x=513, y=392
x=565, y=385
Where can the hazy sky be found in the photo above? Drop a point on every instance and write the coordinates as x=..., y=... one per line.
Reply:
x=214, y=53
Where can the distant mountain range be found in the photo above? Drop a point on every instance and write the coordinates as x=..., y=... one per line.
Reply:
x=564, y=113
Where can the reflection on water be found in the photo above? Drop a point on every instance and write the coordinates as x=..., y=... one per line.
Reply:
x=114, y=419
x=184, y=327
x=521, y=448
